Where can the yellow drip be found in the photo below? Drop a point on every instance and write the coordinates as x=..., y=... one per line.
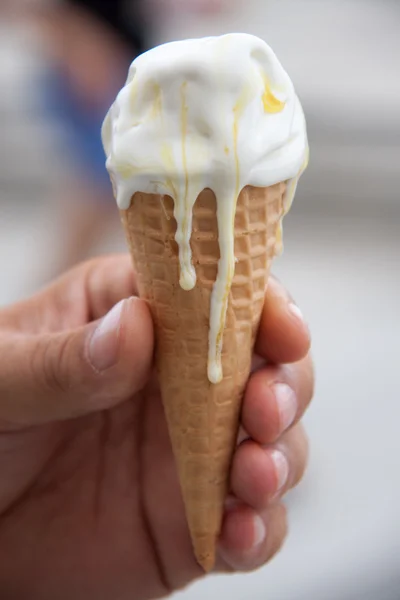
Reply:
x=184, y=111
x=162, y=200
x=167, y=157
x=244, y=99
x=127, y=170
x=224, y=308
x=235, y=151
x=133, y=94
x=185, y=281
x=170, y=185
x=272, y=105
x=270, y=102
x=156, y=109
x=239, y=108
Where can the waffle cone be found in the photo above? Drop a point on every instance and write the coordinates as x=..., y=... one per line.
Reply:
x=203, y=418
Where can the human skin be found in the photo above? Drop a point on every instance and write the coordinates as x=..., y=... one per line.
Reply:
x=90, y=506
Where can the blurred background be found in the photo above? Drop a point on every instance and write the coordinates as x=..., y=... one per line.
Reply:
x=61, y=64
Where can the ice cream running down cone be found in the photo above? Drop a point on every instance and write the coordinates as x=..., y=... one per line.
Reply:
x=205, y=144
x=202, y=417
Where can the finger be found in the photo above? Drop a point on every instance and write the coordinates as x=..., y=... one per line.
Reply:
x=109, y=280
x=86, y=292
x=283, y=335
x=261, y=473
x=275, y=398
x=249, y=538
x=294, y=445
x=56, y=376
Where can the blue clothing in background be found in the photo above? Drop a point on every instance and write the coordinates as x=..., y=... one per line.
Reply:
x=82, y=127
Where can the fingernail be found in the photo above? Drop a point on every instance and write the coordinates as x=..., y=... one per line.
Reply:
x=296, y=312
x=287, y=404
x=103, y=346
x=281, y=468
x=259, y=531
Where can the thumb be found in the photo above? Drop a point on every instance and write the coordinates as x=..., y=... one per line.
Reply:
x=64, y=375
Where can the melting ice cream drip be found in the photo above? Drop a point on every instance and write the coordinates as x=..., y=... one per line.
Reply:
x=217, y=113
x=183, y=212
x=226, y=211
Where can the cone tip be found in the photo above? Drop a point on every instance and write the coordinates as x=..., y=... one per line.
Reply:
x=206, y=561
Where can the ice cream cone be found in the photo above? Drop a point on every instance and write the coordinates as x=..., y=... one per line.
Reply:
x=203, y=418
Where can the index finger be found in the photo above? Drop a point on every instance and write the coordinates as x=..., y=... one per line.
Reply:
x=85, y=293
x=283, y=335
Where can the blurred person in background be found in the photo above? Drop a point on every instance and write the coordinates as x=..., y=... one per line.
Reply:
x=85, y=48
x=90, y=46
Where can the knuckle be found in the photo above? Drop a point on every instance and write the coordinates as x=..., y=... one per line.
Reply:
x=49, y=364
